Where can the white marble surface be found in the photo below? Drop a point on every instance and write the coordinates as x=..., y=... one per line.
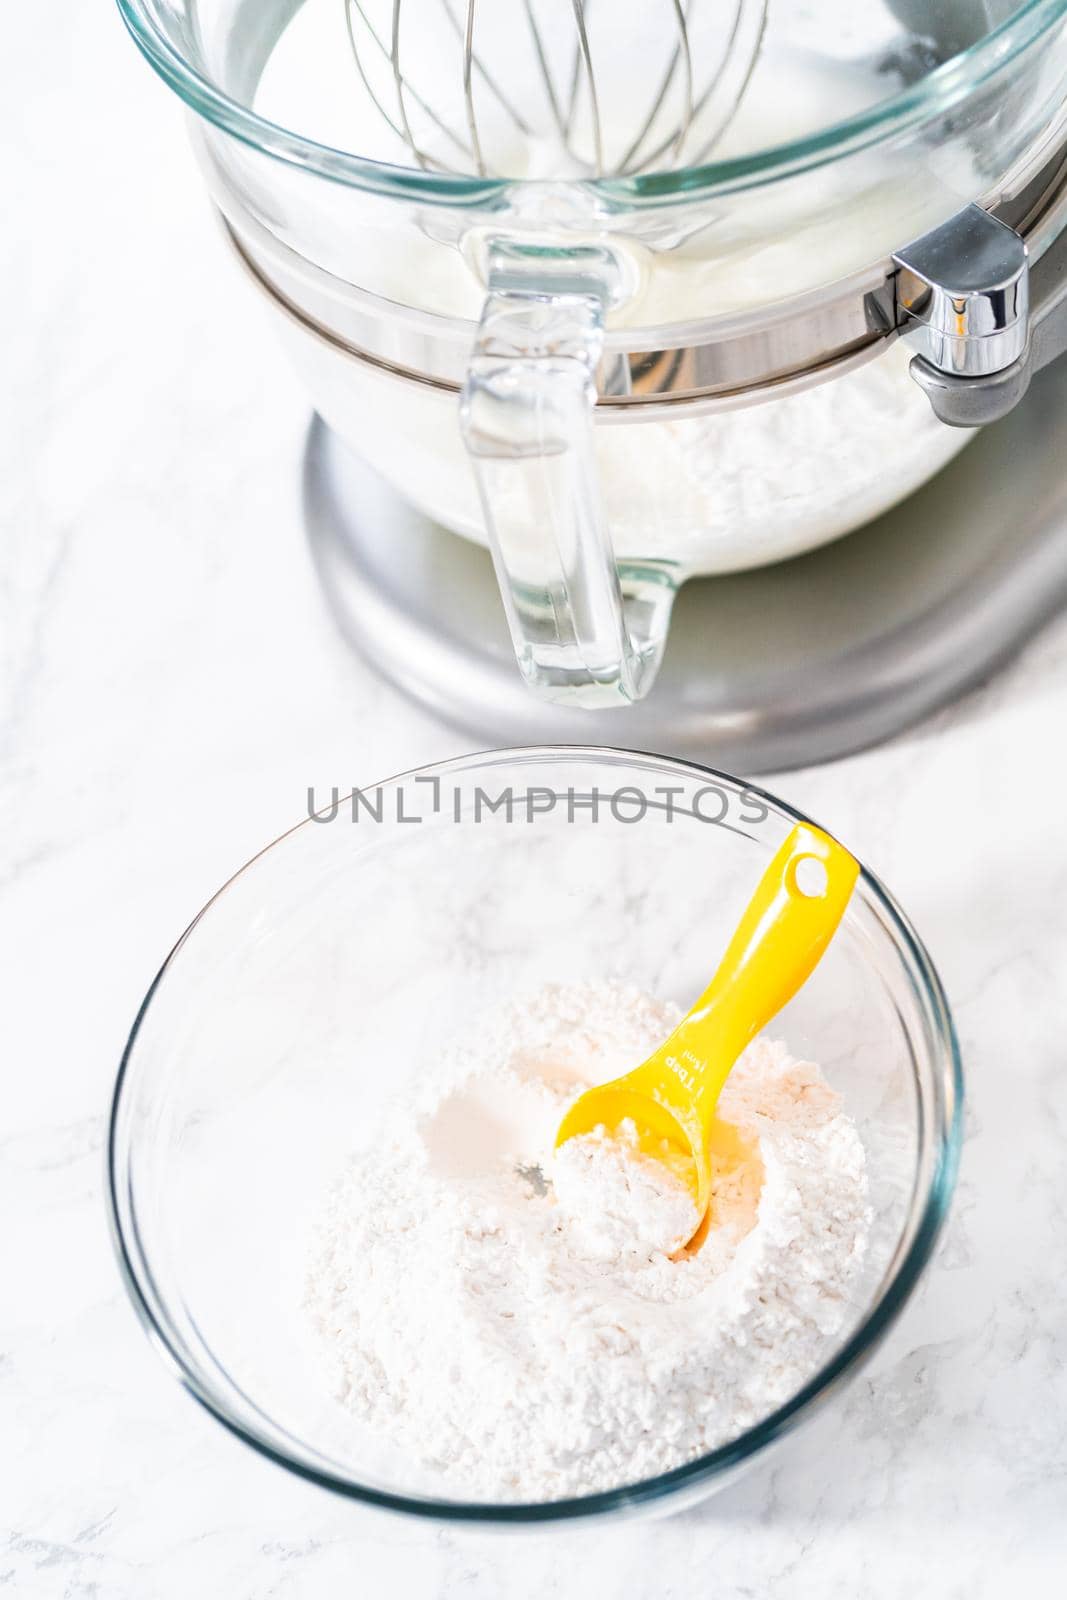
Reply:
x=171, y=685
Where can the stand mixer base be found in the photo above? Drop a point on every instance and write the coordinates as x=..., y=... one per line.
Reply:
x=782, y=667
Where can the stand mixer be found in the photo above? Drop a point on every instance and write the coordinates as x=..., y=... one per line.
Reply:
x=648, y=294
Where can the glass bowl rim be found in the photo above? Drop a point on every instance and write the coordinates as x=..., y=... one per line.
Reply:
x=933, y=96
x=931, y=1207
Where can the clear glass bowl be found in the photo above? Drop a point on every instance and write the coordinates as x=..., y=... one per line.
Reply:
x=214, y=53
x=254, y=1067
x=863, y=125
x=685, y=495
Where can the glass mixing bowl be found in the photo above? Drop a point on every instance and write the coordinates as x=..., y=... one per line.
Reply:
x=703, y=304
x=254, y=1068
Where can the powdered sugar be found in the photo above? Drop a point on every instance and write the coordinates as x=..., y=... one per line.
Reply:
x=466, y=1314
x=620, y=1199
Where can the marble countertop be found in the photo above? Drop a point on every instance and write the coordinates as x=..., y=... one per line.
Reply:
x=172, y=686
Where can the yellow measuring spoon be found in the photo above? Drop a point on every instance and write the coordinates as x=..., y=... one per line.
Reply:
x=779, y=942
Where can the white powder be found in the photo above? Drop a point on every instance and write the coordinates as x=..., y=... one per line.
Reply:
x=477, y=1324
x=619, y=1198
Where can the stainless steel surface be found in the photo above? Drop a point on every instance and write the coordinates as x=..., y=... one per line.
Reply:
x=963, y=293
x=765, y=670
x=667, y=128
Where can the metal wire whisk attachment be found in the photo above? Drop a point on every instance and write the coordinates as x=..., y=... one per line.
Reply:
x=559, y=85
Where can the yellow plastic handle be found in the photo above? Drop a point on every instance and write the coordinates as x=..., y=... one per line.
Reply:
x=779, y=942
x=777, y=945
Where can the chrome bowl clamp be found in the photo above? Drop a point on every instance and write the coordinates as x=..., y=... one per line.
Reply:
x=964, y=298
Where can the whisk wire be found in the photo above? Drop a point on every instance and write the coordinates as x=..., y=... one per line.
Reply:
x=546, y=74
x=594, y=103
x=687, y=79
x=460, y=30
x=662, y=133
x=627, y=162
x=468, y=88
x=394, y=56
x=427, y=162
x=712, y=139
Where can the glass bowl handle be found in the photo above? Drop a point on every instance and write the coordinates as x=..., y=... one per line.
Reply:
x=582, y=632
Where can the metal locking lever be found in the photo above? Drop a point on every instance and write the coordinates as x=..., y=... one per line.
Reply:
x=983, y=319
